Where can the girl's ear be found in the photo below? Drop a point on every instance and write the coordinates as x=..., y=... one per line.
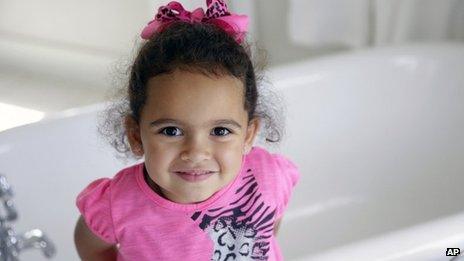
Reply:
x=133, y=135
x=252, y=131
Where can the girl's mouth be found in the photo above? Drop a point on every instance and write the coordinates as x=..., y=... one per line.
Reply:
x=195, y=175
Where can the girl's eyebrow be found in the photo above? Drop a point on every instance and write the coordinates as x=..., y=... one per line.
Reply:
x=215, y=122
x=227, y=122
x=163, y=121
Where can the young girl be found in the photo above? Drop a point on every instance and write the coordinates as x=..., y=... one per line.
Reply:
x=203, y=192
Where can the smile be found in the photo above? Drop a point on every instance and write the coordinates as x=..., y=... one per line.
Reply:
x=194, y=175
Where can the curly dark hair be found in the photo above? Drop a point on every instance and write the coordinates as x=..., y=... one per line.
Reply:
x=195, y=47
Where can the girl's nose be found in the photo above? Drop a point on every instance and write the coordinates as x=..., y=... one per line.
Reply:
x=196, y=151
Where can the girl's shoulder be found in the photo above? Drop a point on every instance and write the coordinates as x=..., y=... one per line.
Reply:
x=119, y=179
x=124, y=179
x=98, y=201
x=273, y=164
x=275, y=174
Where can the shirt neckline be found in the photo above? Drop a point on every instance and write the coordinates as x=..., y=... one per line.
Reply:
x=165, y=203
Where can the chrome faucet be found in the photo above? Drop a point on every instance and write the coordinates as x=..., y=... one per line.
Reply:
x=10, y=243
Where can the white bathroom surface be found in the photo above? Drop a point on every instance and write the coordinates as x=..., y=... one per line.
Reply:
x=44, y=95
x=51, y=76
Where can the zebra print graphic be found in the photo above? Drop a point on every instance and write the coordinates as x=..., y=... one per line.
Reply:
x=241, y=230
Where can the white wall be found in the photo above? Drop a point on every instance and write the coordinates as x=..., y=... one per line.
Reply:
x=273, y=33
x=106, y=26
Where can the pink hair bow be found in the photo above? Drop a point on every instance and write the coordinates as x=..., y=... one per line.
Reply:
x=216, y=13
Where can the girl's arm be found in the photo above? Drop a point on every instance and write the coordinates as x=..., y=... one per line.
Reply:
x=90, y=247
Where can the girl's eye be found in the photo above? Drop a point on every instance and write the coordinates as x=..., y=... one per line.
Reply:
x=171, y=131
x=220, y=131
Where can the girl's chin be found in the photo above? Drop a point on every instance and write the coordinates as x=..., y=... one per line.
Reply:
x=194, y=198
x=198, y=198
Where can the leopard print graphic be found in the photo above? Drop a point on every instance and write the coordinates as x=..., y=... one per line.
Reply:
x=242, y=230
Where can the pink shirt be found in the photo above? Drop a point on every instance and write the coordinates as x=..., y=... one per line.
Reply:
x=236, y=223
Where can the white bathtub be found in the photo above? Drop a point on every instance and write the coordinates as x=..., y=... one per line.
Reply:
x=378, y=136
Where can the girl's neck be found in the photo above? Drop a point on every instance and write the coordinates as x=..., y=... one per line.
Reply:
x=151, y=183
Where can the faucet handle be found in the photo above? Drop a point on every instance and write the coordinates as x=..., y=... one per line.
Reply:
x=5, y=188
x=10, y=210
x=6, y=194
x=35, y=238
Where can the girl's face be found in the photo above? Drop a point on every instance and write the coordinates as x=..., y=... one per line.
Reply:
x=193, y=132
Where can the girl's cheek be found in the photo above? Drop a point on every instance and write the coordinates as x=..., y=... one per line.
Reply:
x=230, y=150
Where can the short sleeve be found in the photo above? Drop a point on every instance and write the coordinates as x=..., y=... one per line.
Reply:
x=94, y=203
x=288, y=177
